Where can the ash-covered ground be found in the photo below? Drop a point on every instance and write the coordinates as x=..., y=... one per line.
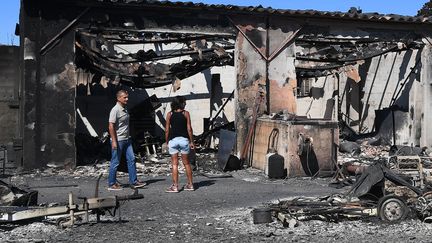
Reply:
x=218, y=211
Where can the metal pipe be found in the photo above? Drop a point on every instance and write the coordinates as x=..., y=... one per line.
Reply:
x=71, y=209
x=267, y=65
x=394, y=127
x=221, y=109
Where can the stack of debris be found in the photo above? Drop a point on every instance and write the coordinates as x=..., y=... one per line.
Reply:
x=14, y=196
x=330, y=208
x=392, y=194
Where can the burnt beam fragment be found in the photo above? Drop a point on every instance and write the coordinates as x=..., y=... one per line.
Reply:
x=50, y=44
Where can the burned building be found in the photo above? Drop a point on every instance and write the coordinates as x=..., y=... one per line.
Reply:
x=313, y=69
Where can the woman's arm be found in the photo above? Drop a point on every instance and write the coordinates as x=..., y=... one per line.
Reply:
x=167, y=126
x=189, y=129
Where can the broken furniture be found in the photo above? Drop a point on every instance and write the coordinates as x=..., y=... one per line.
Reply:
x=410, y=166
x=148, y=146
x=308, y=146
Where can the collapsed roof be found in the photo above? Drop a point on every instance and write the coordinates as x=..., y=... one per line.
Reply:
x=316, y=54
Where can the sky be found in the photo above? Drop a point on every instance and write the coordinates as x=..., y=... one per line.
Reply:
x=9, y=10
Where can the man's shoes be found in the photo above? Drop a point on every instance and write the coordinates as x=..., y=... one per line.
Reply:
x=138, y=184
x=115, y=187
x=172, y=188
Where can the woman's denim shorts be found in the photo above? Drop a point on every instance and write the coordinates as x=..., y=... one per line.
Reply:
x=178, y=144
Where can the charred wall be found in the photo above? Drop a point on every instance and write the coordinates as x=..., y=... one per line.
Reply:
x=336, y=70
x=48, y=102
x=265, y=64
x=50, y=64
x=9, y=85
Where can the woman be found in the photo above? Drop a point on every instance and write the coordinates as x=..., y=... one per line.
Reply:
x=178, y=134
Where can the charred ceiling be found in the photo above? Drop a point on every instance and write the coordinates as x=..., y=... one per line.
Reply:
x=325, y=54
x=102, y=50
x=105, y=51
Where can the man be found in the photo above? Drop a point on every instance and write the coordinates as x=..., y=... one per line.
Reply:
x=120, y=142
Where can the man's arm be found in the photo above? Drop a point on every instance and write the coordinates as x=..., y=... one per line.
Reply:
x=111, y=128
x=113, y=134
x=189, y=129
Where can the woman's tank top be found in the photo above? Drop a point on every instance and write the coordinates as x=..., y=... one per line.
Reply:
x=178, y=124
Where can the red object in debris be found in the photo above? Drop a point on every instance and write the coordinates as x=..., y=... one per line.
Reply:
x=354, y=169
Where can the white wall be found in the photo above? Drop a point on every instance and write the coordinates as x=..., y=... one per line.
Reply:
x=197, y=89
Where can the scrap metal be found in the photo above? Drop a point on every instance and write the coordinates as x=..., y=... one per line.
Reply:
x=97, y=204
x=18, y=211
x=330, y=208
x=389, y=190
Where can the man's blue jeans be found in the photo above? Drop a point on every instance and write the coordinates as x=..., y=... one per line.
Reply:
x=122, y=146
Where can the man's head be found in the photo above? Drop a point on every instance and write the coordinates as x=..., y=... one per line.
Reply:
x=122, y=97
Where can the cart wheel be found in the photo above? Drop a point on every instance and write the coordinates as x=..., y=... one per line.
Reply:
x=61, y=222
x=392, y=209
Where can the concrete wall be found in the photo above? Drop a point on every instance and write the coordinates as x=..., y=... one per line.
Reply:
x=48, y=100
x=380, y=79
x=9, y=85
x=322, y=102
x=425, y=91
x=264, y=61
x=198, y=92
x=380, y=87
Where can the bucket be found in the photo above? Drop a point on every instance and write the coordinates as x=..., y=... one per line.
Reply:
x=261, y=215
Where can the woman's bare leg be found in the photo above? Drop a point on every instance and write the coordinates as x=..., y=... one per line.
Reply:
x=185, y=160
x=174, y=170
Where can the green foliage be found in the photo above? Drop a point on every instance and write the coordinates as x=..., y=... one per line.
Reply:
x=426, y=10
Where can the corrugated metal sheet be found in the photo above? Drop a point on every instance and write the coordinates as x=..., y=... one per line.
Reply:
x=350, y=15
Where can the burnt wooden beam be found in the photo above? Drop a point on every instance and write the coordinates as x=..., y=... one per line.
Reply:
x=117, y=39
x=175, y=53
x=347, y=59
x=51, y=43
x=168, y=31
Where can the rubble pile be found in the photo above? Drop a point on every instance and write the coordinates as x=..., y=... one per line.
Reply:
x=37, y=232
x=152, y=166
x=368, y=230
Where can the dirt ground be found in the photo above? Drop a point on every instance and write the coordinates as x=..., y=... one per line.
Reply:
x=218, y=211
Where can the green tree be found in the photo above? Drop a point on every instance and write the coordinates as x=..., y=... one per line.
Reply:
x=426, y=10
